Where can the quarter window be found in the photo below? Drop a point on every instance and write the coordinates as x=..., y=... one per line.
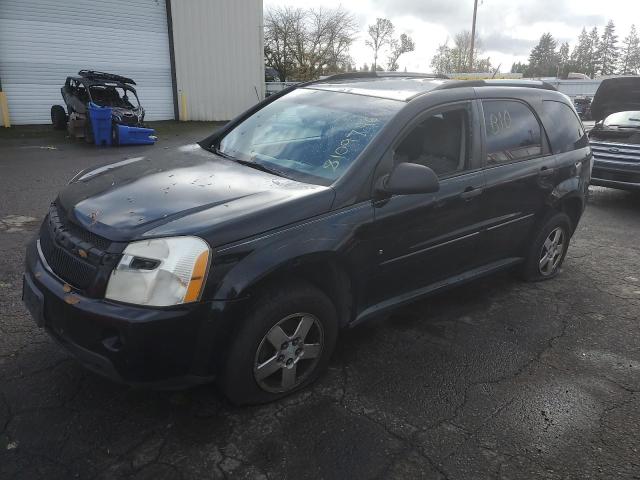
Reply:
x=440, y=142
x=567, y=133
x=513, y=132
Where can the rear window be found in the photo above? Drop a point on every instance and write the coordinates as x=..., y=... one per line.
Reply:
x=566, y=132
x=513, y=132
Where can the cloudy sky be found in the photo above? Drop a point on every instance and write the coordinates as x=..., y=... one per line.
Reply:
x=508, y=29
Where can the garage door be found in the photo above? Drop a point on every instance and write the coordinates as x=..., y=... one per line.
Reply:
x=44, y=41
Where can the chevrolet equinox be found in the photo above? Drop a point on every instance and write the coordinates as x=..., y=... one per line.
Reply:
x=240, y=258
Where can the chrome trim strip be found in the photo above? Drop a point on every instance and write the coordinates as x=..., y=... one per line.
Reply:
x=45, y=264
x=432, y=247
x=500, y=225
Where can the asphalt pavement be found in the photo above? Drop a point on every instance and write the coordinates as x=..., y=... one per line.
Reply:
x=495, y=379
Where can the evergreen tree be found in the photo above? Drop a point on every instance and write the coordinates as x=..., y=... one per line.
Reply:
x=580, y=54
x=564, y=62
x=593, y=58
x=607, y=51
x=630, y=55
x=543, y=60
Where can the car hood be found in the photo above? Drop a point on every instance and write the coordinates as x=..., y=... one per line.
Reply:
x=184, y=191
x=616, y=95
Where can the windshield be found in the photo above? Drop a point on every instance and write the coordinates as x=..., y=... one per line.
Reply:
x=623, y=119
x=110, y=96
x=309, y=135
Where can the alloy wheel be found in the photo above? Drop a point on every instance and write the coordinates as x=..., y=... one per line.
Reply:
x=288, y=353
x=551, y=252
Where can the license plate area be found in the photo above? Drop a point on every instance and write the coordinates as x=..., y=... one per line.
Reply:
x=33, y=299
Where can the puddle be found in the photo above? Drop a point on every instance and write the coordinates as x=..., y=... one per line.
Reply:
x=16, y=223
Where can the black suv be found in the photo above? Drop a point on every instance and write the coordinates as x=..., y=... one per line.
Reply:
x=323, y=206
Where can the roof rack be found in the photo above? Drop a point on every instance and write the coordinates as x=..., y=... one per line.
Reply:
x=95, y=75
x=496, y=83
x=365, y=75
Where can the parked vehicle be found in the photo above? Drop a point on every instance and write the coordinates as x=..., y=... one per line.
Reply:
x=103, y=90
x=615, y=139
x=322, y=207
x=583, y=107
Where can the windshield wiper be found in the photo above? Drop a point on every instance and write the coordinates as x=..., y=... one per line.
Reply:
x=249, y=163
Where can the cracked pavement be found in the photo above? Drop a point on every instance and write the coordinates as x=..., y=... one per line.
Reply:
x=495, y=379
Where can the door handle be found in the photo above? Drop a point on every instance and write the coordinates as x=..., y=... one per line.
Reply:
x=546, y=172
x=470, y=192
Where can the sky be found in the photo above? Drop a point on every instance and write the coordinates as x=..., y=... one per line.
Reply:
x=508, y=29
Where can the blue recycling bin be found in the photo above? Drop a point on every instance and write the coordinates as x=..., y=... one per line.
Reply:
x=100, y=123
x=135, y=135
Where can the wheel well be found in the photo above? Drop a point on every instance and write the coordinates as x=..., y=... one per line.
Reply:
x=323, y=273
x=573, y=208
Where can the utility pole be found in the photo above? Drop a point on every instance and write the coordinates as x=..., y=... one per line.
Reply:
x=473, y=34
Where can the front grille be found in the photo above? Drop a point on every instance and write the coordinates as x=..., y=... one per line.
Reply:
x=617, y=152
x=85, y=235
x=74, y=254
x=67, y=266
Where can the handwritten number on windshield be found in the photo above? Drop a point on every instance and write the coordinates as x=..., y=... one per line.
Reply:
x=352, y=137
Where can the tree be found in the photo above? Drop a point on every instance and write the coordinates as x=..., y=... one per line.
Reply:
x=630, y=55
x=607, y=51
x=456, y=59
x=280, y=27
x=564, y=62
x=380, y=35
x=398, y=47
x=593, y=58
x=580, y=55
x=304, y=44
x=543, y=59
x=519, y=67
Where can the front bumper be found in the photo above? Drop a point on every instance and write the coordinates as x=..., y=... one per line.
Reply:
x=616, y=174
x=152, y=347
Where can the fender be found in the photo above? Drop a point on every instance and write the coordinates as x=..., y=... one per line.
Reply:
x=337, y=236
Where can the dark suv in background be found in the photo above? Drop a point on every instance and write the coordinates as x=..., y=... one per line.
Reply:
x=615, y=139
x=321, y=207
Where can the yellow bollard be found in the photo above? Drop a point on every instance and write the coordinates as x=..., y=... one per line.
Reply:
x=183, y=107
x=4, y=109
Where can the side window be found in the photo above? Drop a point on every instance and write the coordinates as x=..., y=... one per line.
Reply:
x=567, y=132
x=513, y=132
x=440, y=141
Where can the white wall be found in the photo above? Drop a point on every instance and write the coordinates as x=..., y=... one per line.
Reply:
x=218, y=47
x=44, y=41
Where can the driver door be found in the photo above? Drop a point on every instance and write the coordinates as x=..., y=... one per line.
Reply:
x=424, y=239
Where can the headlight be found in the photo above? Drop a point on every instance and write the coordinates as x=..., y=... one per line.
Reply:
x=161, y=272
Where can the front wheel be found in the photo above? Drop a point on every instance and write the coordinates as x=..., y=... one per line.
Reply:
x=283, y=346
x=548, y=249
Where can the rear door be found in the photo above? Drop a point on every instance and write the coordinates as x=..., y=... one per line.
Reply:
x=520, y=174
x=426, y=238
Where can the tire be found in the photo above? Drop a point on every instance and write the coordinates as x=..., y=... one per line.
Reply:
x=548, y=249
x=58, y=117
x=256, y=370
x=88, y=131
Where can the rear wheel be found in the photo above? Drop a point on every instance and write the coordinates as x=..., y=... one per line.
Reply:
x=283, y=346
x=548, y=249
x=58, y=117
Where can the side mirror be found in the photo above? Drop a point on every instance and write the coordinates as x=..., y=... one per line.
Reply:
x=409, y=178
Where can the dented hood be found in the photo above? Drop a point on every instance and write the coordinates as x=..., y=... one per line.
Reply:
x=616, y=95
x=183, y=191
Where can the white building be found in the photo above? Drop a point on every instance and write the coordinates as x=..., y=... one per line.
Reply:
x=191, y=59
